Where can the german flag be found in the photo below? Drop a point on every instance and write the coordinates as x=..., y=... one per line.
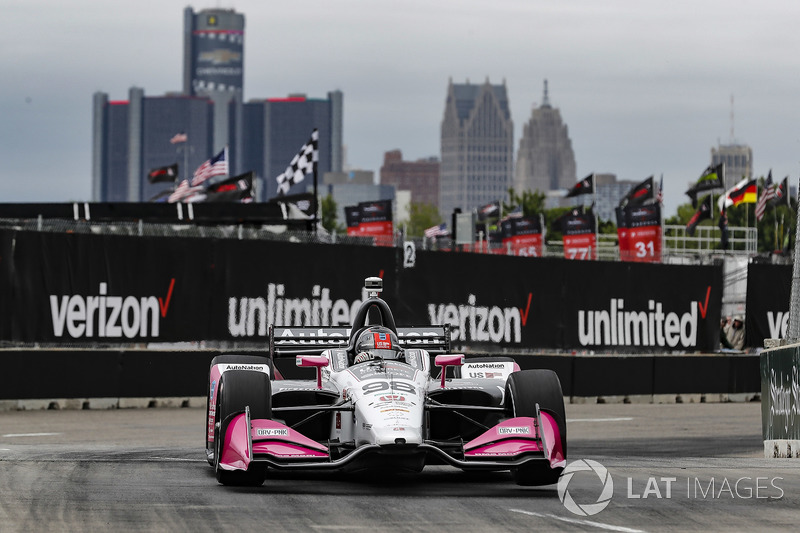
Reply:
x=744, y=192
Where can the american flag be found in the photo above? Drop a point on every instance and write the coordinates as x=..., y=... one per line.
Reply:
x=437, y=231
x=186, y=193
x=216, y=166
x=766, y=195
x=301, y=164
x=179, y=138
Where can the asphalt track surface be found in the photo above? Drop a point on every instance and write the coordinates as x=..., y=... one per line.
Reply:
x=145, y=470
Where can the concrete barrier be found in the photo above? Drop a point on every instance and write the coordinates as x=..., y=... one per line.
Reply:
x=102, y=379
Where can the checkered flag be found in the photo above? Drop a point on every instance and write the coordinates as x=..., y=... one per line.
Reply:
x=303, y=163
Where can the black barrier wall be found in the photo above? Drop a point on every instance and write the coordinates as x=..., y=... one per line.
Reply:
x=83, y=288
x=43, y=374
x=769, y=289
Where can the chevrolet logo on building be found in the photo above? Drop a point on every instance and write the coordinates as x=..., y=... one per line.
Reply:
x=221, y=56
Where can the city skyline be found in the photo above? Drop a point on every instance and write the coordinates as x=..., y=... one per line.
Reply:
x=643, y=89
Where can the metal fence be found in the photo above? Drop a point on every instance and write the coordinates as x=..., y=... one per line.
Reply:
x=677, y=245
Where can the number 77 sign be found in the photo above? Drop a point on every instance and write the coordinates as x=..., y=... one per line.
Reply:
x=578, y=236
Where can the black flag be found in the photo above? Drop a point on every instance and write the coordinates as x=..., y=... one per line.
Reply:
x=703, y=213
x=167, y=173
x=585, y=186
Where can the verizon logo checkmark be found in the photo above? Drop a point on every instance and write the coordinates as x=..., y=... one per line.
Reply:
x=704, y=307
x=163, y=304
x=524, y=314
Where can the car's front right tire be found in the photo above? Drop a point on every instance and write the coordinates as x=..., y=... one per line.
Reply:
x=239, y=389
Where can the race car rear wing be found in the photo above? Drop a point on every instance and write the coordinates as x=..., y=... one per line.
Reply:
x=304, y=340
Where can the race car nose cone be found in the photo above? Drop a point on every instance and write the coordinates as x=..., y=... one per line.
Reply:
x=397, y=435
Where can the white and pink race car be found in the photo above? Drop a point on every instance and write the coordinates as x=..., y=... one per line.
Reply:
x=376, y=402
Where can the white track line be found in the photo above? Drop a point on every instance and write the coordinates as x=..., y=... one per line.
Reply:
x=619, y=419
x=181, y=459
x=11, y=435
x=579, y=521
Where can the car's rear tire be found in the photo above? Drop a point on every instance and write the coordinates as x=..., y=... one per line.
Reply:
x=239, y=389
x=524, y=390
x=226, y=359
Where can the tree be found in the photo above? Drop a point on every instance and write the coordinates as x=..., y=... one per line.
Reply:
x=328, y=210
x=532, y=202
x=421, y=216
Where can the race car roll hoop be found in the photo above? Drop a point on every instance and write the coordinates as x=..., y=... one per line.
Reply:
x=381, y=413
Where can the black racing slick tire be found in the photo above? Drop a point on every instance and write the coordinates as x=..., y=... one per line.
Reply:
x=231, y=359
x=239, y=389
x=524, y=390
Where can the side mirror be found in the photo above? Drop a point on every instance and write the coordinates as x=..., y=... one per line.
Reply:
x=317, y=361
x=448, y=360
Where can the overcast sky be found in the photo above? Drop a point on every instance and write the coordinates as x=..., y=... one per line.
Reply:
x=645, y=87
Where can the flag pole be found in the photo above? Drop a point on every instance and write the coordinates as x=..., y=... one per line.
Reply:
x=185, y=162
x=594, y=208
x=316, y=201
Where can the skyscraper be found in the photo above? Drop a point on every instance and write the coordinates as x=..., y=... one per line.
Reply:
x=421, y=177
x=477, y=147
x=545, y=160
x=274, y=129
x=213, y=62
x=737, y=160
x=131, y=137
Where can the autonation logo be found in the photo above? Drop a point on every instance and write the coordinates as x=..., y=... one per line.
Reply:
x=580, y=500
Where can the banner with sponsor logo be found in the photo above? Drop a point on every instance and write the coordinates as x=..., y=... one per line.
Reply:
x=371, y=219
x=769, y=288
x=578, y=231
x=640, y=233
x=780, y=400
x=353, y=217
x=95, y=289
x=555, y=303
x=522, y=236
x=84, y=288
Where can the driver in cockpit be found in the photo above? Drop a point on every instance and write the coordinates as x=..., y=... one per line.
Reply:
x=377, y=342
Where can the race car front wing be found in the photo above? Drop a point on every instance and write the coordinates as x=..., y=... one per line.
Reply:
x=510, y=444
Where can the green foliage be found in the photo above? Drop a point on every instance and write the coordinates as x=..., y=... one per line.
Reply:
x=421, y=216
x=328, y=209
x=606, y=226
x=532, y=202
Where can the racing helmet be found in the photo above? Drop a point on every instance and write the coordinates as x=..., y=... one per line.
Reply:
x=380, y=343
